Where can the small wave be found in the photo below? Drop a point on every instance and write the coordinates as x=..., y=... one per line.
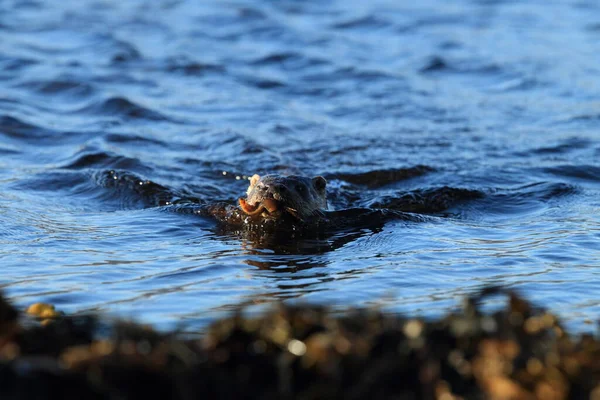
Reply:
x=428, y=201
x=186, y=66
x=99, y=159
x=53, y=181
x=586, y=117
x=123, y=107
x=379, y=178
x=131, y=138
x=78, y=190
x=585, y=172
x=361, y=74
x=15, y=128
x=263, y=83
x=526, y=198
x=60, y=87
x=239, y=151
x=368, y=22
x=8, y=151
x=288, y=61
x=545, y=190
x=433, y=19
x=350, y=74
x=518, y=84
x=439, y=64
x=30, y=134
x=564, y=147
x=131, y=190
x=194, y=68
x=594, y=27
x=276, y=58
x=8, y=66
x=587, y=120
x=100, y=190
x=123, y=52
x=435, y=64
x=251, y=14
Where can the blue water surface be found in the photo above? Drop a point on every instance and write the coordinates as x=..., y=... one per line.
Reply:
x=502, y=97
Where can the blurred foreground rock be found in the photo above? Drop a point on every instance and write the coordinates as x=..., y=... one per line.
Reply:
x=519, y=352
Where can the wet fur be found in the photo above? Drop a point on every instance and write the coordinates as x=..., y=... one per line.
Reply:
x=300, y=196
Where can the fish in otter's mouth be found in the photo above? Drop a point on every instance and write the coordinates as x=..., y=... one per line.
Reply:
x=268, y=208
x=269, y=205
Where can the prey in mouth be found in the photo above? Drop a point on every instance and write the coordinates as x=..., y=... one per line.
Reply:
x=273, y=196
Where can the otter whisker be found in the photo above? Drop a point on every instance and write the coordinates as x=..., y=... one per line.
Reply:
x=294, y=213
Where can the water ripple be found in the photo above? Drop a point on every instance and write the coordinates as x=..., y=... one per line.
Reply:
x=124, y=108
x=464, y=111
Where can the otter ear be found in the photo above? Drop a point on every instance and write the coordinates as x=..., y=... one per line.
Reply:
x=319, y=182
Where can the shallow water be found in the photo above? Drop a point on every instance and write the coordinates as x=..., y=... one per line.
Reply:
x=494, y=96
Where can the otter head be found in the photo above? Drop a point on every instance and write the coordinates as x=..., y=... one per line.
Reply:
x=275, y=195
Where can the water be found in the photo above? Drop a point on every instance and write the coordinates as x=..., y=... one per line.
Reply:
x=495, y=96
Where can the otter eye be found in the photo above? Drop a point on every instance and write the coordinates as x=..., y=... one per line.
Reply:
x=299, y=188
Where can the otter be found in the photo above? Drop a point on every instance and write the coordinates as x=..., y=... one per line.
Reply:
x=271, y=196
x=294, y=203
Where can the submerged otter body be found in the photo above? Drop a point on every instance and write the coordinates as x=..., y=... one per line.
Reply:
x=296, y=203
